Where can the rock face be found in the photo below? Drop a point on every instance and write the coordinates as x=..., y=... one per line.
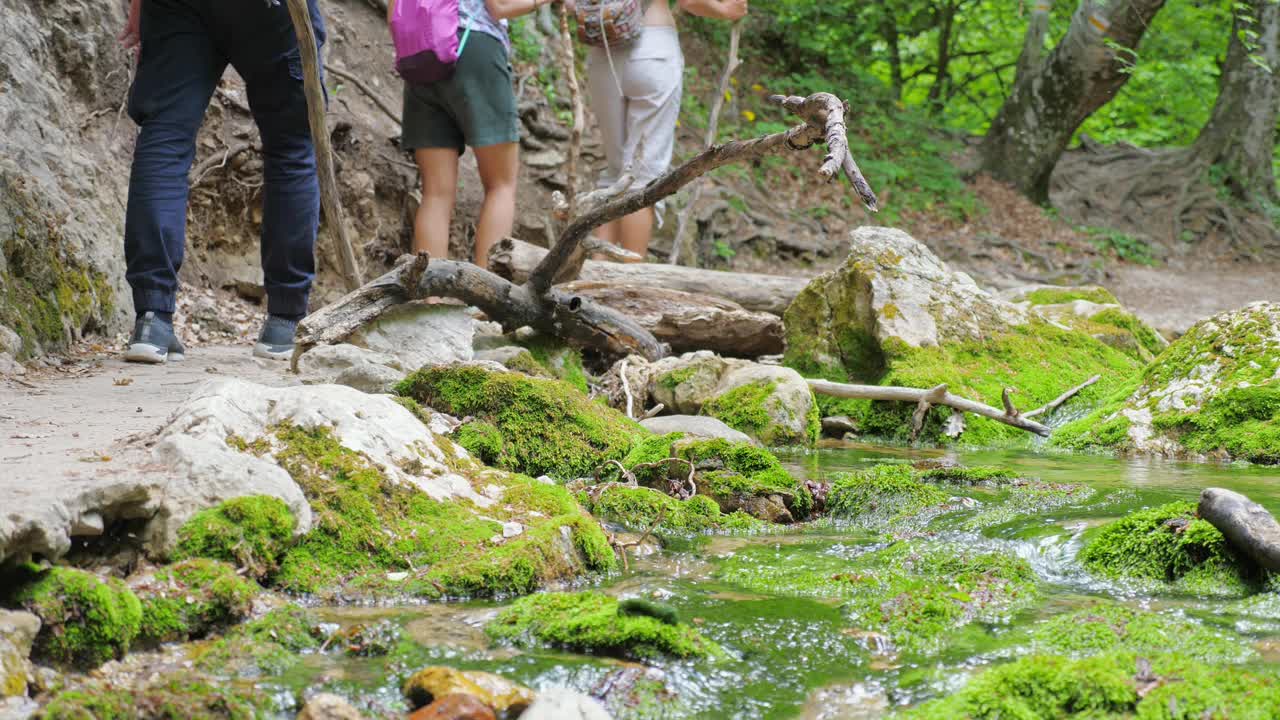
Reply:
x=769, y=403
x=417, y=335
x=894, y=314
x=346, y=364
x=1214, y=393
x=18, y=631
x=698, y=426
x=1093, y=310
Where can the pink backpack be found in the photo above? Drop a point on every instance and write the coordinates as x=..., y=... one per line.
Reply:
x=425, y=33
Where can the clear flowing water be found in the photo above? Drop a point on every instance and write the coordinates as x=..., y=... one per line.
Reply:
x=801, y=655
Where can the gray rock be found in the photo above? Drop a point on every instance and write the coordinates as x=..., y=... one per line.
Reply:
x=417, y=335
x=10, y=342
x=838, y=425
x=10, y=366
x=18, y=631
x=564, y=704
x=789, y=405
x=685, y=383
x=699, y=426
x=345, y=364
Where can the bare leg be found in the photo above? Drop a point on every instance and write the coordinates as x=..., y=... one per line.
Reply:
x=439, y=170
x=635, y=231
x=498, y=165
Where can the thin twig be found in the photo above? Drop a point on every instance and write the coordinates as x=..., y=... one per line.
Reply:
x=1058, y=401
x=626, y=390
x=362, y=87
x=713, y=127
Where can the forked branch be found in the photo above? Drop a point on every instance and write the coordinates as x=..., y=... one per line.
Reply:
x=925, y=399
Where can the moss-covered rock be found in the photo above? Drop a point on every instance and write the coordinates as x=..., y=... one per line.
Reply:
x=251, y=532
x=1105, y=627
x=641, y=508
x=1096, y=311
x=1169, y=546
x=169, y=697
x=591, y=622
x=1215, y=392
x=918, y=595
x=191, y=598
x=743, y=477
x=543, y=427
x=894, y=314
x=269, y=645
x=85, y=619
x=557, y=360
x=367, y=526
x=1117, y=686
x=18, y=631
x=882, y=495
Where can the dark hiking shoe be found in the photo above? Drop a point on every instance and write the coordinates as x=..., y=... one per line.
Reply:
x=276, y=340
x=153, y=341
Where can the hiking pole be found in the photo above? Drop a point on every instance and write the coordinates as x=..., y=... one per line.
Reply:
x=329, y=198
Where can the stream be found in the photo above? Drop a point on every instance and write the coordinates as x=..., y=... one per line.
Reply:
x=794, y=653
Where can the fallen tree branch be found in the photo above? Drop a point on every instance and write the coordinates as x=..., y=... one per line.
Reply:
x=368, y=91
x=1244, y=523
x=713, y=127
x=1049, y=408
x=934, y=396
x=329, y=199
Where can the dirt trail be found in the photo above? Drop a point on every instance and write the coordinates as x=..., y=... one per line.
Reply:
x=72, y=423
x=1174, y=300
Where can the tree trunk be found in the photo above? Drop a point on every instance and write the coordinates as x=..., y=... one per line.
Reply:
x=515, y=261
x=1031, y=58
x=1084, y=72
x=1241, y=132
x=942, y=75
x=889, y=31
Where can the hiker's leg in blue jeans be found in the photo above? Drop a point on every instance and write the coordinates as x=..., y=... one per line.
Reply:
x=177, y=72
x=266, y=56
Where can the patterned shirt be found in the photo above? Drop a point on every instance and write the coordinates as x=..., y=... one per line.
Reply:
x=475, y=12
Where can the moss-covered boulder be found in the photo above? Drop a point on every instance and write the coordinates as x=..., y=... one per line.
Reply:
x=917, y=596
x=269, y=645
x=1215, y=392
x=525, y=424
x=85, y=619
x=1096, y=311
x=183, y=694
x=883, y=495
x=894, y=314
x=738, y=476
x=18, y=631
x=251, y=532
x=190, y=599
x=596, y=623
x=1168, y=546
x=1118, y=685
x=643, y=508
x=1104, y=627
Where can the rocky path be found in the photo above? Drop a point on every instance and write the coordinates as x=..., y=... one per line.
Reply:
x=1175, y=299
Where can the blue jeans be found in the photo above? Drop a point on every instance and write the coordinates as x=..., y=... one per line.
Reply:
x=186, y=46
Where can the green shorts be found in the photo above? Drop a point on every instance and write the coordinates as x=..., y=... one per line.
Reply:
x=476, y=107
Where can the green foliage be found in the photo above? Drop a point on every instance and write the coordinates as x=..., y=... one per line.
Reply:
x=1122, y=245
x=269, y=645
x=640, y=508
x=1110, y=627
x=1169, y=545
x=251, y=532
x=542, y=426
x=85, y=619
x=191, y=598
x=594, y=622
x=174, y=696
x=881, y=495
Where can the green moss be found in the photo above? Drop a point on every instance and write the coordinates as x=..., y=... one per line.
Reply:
x=1110, y=627
x=918, y=594
x=269, y=645
x=676, y=378
x=1169, y=545
x=47, y=295
x=591, y=622
x=881, y=495
x=1127, y=325
x=1242, y=422
x=86, y=620
x=1059, y=296
x=251, y=532
x=639, y=508
x=1117, y=685
x=558, y=360
x=977, y=475
x=191, y=598
x=173, y=696
x=743, y=409
x=1019, y=499
x=649, y=452
x=366, y=526
x=546, y=426
x=737, y=469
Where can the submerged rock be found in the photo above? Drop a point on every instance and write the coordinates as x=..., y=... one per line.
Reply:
x=1215, y=392
x=525, y=424
x=1104, y=627
x=593, y=622
x=882, y=495
x=1170, y=547
x=497, y=695
x=270, y=645
x=769, y=403
x=894, y=314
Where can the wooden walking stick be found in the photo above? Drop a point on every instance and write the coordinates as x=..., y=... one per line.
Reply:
x=329, y=199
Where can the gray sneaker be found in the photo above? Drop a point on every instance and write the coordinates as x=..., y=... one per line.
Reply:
x=153, y=341
x=276, y=340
